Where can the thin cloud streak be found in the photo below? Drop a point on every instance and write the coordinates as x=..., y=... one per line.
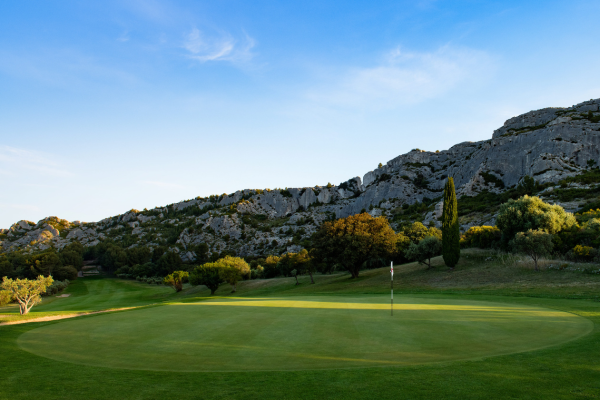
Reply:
x=404, y=78
x=221, y=48
x=14, y=159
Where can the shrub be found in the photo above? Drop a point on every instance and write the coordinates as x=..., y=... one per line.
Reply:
x=5, y=297
x=427, y=248
x=493, y=179
x=593, y=224
x=484, y=237
x=270, y=267
x=257, y=273
x=535, y=243
x=588, y=215
x=531, y=213
x=584, y=253
x=65, y=272
x=176, y=280
x=56, y=287
x=417, y=232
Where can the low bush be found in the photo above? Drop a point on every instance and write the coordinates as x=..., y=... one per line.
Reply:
x=57, y=286
x=484, y=237
x=5, y=297
x=257, y=273
x=66, y=272
x=582, y=253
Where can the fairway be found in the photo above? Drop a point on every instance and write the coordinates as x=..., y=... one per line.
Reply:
x=302, y=333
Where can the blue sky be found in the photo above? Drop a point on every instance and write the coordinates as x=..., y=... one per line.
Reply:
x=113, y=105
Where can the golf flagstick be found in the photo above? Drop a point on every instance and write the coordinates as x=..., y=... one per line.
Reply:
x=392, y=299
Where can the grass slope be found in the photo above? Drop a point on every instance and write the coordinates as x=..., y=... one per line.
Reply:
x=566, y=371
x=302, y=333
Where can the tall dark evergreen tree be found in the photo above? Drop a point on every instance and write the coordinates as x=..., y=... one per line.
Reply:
x=450, y=228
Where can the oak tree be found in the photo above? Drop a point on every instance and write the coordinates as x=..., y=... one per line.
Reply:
x=176, y=280
x=27, y=292
x=207, y=275
x=354, y=240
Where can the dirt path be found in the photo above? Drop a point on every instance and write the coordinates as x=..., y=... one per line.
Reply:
x=57, y=317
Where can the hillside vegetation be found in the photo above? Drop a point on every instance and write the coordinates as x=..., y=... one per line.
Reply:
x=481, y=272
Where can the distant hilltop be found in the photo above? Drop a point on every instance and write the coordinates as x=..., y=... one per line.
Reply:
x=549, y=146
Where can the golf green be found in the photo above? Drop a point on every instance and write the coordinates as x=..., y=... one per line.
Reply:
x=316, y=332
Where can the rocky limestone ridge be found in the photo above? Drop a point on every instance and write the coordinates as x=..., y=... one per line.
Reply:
x=548, y=145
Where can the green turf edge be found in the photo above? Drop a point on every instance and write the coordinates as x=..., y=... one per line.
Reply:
x=491, y=299
x=567, y=371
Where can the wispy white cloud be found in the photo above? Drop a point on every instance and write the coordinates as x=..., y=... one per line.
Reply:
x=163, y=184
x=14, y=161
x=124, y=37
x=220, y=47
x=26, y=207
x=403, y=77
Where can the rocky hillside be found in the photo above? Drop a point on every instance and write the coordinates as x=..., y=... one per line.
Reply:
x=551, y=145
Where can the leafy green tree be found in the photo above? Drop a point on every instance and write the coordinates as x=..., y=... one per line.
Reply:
x=147, y=269
x=402, y=244
x=232, y=270
x=530, y=212
x=483, y=237
x=70, y=257
x=176, y=280
x=535, y=243
x=295, y=264
x=27, y=292
x=201, y=251
x=75, y=246
x=423, y=252
x=5, y=297
x=6, y=268
x=138, y=255
x=527, y=186
x=271, y=269
x=287, y=266
x=65, y=272
x=45, y=263
x=417, y=232
x=168, y=263
x=354, y=240
x=450, y=227
x=157, y=253
x=258, y=272
x=111, y=256
x=207, y=275
x=304, y=262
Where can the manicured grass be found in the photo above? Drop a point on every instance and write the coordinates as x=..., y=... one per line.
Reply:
x=94, y=294
x=567, y=370
x=302, y=333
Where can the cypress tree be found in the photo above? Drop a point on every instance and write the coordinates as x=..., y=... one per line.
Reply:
x=450, y=228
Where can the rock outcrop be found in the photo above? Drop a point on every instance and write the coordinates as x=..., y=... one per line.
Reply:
x=548, y=144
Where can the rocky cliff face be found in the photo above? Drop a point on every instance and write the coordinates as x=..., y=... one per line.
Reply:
x=548, y=145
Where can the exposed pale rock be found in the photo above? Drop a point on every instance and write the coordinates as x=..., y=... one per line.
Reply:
x=25, y=225
x=143, y=219
x=307, y=198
